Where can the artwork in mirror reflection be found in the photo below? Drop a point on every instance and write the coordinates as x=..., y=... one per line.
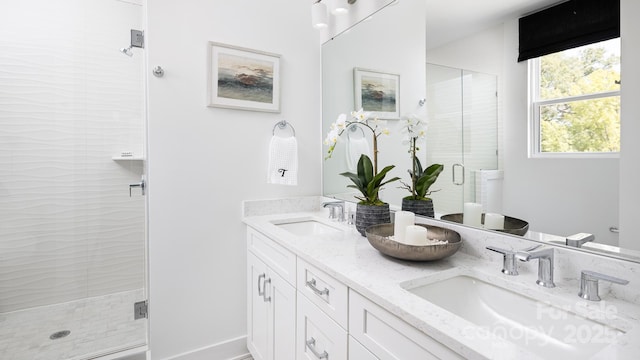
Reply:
x=467, y=117
x=377, y=93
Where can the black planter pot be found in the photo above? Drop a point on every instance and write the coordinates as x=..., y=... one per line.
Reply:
x=419, y=207
x=367, y=215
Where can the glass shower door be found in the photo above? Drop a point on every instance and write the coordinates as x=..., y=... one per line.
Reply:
x=462, y=134
x=72, y=239
x=445, y=136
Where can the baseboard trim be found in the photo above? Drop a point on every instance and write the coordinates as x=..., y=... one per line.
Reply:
x=233, y=349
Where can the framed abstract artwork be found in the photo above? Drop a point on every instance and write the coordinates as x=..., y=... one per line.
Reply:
x=377, y=92
x=244, y=79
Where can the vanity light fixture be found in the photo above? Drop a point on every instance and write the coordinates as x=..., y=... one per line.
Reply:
x=341, y=7
x=319, y=15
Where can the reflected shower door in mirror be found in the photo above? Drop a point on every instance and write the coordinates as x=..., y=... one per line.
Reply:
x=463, y=136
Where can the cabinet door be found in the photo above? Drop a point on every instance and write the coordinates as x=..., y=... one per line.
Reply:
x=281, y=297
x=257, y=309
x=319, y=337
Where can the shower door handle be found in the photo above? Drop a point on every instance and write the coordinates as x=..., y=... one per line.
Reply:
x=453, y=169
x=141, y=185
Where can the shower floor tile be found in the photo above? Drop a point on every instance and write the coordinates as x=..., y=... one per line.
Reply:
x=98, y=326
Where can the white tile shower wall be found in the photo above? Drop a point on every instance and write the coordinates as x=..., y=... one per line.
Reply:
x=70, y=101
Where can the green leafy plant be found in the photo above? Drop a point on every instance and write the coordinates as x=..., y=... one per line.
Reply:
x=368, y=182
x=421, y=180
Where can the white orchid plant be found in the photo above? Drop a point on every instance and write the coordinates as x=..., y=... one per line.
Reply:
x=367, y=180
x=358, y=118
x=415, y=129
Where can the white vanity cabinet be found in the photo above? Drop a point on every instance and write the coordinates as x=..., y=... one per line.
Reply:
x=297, y=311
x=271, y=300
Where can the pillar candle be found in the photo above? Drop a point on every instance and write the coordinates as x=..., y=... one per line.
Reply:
x=493, y=221
x=416, y=235
x=472, y=215
x=402, y=219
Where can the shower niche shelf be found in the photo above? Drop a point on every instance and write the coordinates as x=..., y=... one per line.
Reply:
x=127, y=158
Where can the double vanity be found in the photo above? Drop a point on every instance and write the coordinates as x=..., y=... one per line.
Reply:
x=318, y=290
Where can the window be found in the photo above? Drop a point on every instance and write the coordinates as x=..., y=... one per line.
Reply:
x=575, y=101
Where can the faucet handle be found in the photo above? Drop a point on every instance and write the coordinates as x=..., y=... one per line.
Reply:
x=333, y=207
x=589, y=284
x=577, y=240
x=510, y=252
x=509, y=263
x=500, y=250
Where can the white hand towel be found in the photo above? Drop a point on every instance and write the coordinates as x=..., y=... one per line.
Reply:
x=283, y=161
x=355, y=148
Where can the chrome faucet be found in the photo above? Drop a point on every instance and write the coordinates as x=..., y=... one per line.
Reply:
x=589, y=284
x=336, y=210
x=509, y=263
x=577, y=240
x=545, y=265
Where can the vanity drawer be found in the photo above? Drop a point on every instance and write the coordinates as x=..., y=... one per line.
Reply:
x=273, y=255
x=388, y=337
x=330, y=295
x=318, y=336
x=359, y=352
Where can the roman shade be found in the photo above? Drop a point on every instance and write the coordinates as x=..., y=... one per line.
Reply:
x=567, y=25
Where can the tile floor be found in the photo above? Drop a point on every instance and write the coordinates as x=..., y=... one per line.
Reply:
x=99, y=326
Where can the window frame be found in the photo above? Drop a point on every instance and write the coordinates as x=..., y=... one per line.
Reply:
x=535, y=103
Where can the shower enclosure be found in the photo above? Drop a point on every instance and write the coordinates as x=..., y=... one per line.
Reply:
x=462, y=108
x=72, y=134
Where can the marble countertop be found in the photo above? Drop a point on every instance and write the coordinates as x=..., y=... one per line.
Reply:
x=348, y=257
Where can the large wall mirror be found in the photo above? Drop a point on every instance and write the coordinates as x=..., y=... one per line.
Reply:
x=476, y=104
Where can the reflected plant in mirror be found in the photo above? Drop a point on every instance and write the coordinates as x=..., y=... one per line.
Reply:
x=421, y=179
x=368, y=181
x=358, y=118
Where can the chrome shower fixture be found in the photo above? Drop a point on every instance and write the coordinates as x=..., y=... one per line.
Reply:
x=137, y=40
x=127, y=51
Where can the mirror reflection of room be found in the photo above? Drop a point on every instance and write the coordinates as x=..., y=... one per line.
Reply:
x=535, y=159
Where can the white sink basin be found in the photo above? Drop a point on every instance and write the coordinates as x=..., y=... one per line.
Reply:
x=306, y=227
x=547, y=331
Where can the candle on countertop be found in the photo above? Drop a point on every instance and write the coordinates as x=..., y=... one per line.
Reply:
x=472, y=214
x=416, y=235
x=493, y=221
x=402, y=219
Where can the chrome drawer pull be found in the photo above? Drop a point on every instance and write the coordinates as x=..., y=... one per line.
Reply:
x=264, y=291
x=311, y=284
x=311, y=344
x=261, y=292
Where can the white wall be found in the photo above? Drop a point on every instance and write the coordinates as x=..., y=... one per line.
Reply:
x=630, y=126
x=70, y=101
x=204, y=161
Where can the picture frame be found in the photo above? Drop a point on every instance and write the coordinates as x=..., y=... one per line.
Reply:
x=244, y=79
x=377, y=92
